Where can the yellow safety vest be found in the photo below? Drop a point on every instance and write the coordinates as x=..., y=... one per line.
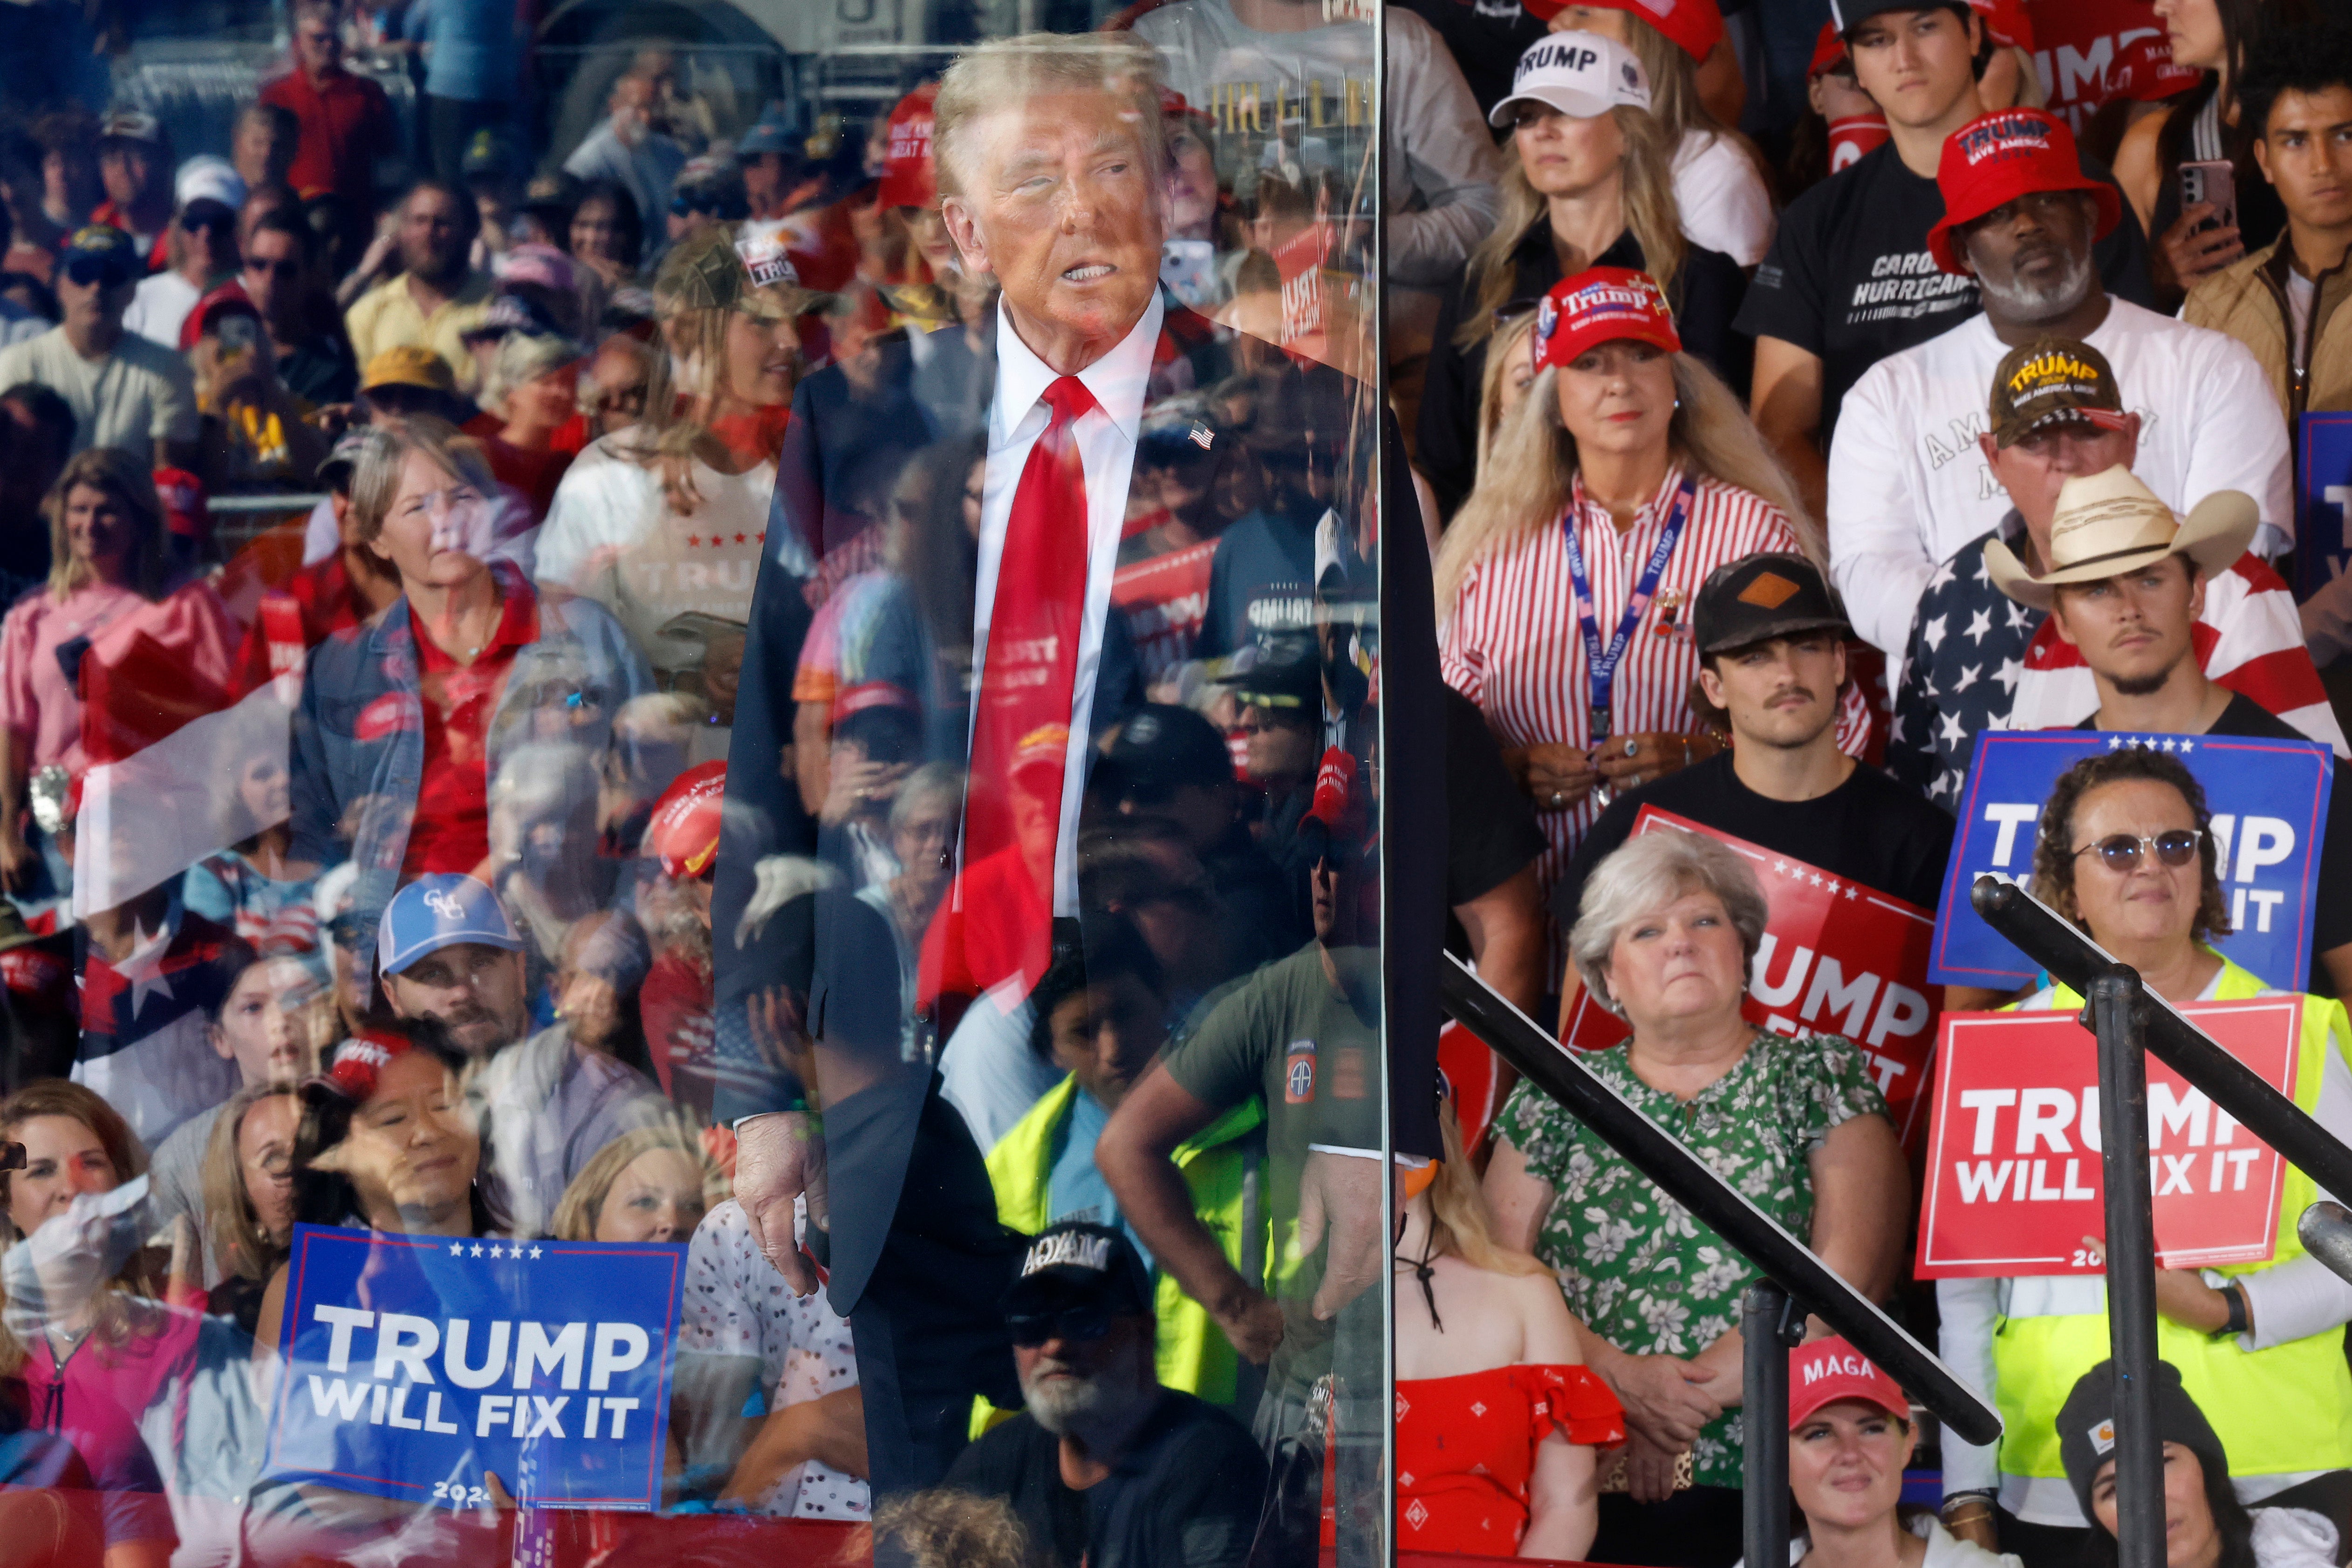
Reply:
x=1224, y=1167
x=2277, y=1411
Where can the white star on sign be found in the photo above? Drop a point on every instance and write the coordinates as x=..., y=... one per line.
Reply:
x=1780, y=865
x=456, y=1250
x=2188, y=746
x=1817, y=881
x=478, y=1248
x=1849, y=890
x=1932, y=633
x=534, y=1251
x=1979, y=624
x=2167, y=746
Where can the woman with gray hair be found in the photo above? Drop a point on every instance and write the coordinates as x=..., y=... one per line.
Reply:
x=534, y=379
x=1667, y=932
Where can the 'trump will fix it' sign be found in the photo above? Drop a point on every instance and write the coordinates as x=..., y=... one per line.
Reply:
x=416, y=1368
x=2015, y=1181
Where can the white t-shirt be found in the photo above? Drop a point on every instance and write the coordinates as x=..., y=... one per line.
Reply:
x=160, y=307
x=1441, y=158
x=134, y=397
x=1908, y=485
x=1724, y=203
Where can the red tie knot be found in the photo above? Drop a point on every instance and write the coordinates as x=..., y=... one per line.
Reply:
x=1068, y=398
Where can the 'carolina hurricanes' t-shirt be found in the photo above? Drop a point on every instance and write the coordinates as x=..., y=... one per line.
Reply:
x=1849, y=276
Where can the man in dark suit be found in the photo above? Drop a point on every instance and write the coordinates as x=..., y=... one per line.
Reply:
x=1052, y=175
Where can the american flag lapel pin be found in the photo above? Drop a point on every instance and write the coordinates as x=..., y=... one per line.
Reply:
x=1203, y=436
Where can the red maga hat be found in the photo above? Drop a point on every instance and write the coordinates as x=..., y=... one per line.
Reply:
x=684, y=830
x=1996, y=158
x=1829, y=51
x=361, y=1061
x=909, y=179
x=1694, y=27
x=1828, y=1370
x=2006, y=22
x=1601, y=305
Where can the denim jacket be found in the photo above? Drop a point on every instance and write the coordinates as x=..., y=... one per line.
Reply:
x=359, y=733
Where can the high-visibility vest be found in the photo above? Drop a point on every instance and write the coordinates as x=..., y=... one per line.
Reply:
x=1224, y=1167
x=2283, y=1410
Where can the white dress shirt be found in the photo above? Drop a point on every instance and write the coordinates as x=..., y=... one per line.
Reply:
x=1105, y=436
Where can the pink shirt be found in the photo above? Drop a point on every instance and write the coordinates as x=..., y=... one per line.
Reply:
x=42, y=709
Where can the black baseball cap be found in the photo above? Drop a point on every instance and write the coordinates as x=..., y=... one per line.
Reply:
x=1078, y=1262
x=1163, y=747
x=1772, y=593
x=1846, y=15
x=1279, y=670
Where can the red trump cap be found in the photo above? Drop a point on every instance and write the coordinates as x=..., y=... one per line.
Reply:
x=1601, y=305
x=1996, y=158
x=907, y=178
x=1694, y=27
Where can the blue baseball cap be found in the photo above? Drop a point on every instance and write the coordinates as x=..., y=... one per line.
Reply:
x=770, y=134
x=436, y=912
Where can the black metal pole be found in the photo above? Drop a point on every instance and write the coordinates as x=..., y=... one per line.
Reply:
x=2043, y=936
x=2117, y=1011
x=1764, y=1411
x=1691, y=1182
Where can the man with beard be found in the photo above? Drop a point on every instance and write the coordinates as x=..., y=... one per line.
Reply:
x=435, y=298
x=548, y=1102
x=1106, y=1467
x=2020, y=216
x=1977, y=661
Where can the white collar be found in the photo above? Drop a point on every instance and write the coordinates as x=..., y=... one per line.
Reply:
x=1118, y=380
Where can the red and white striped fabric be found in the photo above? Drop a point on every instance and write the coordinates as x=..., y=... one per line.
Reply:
x=2250, y=638
x=1512, y=645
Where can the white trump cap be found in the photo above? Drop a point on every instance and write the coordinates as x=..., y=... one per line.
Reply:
x=1581, y=75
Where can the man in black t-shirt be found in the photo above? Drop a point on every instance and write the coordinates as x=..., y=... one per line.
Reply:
x=1772, y=656
x=2125, y=584
x=1104, y=1468
x=1849, y=280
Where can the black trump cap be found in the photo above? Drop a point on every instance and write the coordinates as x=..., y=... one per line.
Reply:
x=1165, y=745
x=1769, y=594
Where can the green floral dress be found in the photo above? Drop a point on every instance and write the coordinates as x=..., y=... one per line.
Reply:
x=1633, y=1263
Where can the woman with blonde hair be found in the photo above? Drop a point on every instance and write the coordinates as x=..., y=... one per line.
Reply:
x=1588, y=181
x=248, y=1182
x=487, y=663
x=1510, y=369
x=1626, y=475
x=663, y=523
x=1497, y=1416
x=650, y=1185
x=110, y=580
x=1719, y=182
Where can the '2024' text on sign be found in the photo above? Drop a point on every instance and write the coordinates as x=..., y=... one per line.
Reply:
x=415, y=1367
x=2015, y=1181
x=1837, y=957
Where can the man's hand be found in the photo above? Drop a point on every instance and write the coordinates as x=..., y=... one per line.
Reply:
x=1341, y=1194
x=1254, y=1322
x=1663, y=1397
x=780, y=1157
x=2189, y=253
x=1650, y=1469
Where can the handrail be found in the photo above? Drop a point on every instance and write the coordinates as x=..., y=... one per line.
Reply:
x=1689, y=1181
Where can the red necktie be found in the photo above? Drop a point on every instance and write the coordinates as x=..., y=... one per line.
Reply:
x=1021, y=718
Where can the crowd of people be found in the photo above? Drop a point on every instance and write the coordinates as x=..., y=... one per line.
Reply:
x=907, y=704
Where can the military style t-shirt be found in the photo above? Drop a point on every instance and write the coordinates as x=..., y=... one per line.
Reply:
x=1312, y=1049
x=1849, y=276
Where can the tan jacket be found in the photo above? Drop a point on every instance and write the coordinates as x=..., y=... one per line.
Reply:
x=2248, y=300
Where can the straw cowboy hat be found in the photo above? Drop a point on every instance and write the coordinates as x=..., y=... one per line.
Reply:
x=2109, y=524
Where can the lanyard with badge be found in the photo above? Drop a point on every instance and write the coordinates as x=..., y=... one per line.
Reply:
x=1600, y=662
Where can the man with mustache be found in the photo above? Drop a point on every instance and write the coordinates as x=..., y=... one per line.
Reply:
x=1106, y=1467
x=1976, y=660
x=1771, y=645
x=2021, y=217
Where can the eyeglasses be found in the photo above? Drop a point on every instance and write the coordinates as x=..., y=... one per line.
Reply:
x=2121, y=852
x=1030, y=1330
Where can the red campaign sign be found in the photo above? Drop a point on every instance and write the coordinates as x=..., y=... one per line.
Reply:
x=1306, y=314
x=2014, y=1177
x=2088, y=51
x=1165, y=599
x=1837, y=958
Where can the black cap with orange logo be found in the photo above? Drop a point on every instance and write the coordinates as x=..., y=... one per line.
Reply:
x=1772, y=593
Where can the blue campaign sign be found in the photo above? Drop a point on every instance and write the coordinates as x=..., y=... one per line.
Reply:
x=415, y=1367
x=2323, y=495
x=2270, y=803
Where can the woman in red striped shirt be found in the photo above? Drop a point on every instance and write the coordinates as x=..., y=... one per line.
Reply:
x=1626, y=475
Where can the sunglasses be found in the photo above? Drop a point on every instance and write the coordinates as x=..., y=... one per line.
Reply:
x=106, y=272
x=2121, y=852
x=1030, y=1330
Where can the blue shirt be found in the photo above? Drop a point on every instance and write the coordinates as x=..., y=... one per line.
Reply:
x=474, y=47
x=1074, y=1188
